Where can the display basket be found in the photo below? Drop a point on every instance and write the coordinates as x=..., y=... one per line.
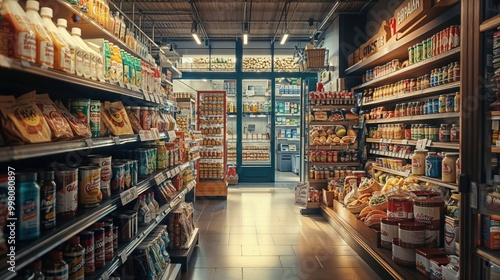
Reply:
x=315, y=58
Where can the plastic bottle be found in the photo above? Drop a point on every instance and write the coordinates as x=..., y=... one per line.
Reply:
x=47, y=199
x=17, y=32
x=119, y=64
x=155, y=203
x=62, y=52
x=56, y=268
x=117, y=27
x=28, y=208
x=143, y=211
x=123, y=29
x=138, y=73
x=76, y=50
x=36, y=267
x=74, y=255
x=99, y=60
x=44, y=45
x=87, y=54
x=105, y=13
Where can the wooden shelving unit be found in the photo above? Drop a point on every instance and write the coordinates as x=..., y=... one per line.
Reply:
x=415, y=118
x=442, y=145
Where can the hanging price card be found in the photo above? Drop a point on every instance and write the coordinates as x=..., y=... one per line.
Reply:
x=128, y=195
x=156, y=133
x=160, y=178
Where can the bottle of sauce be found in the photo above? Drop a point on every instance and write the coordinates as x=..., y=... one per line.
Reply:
x=63, y=59
x=56, y=268
x=87, y=54
x=456, y=72
x=76, y=52
x=418, y=162
x=36, y=268
x=456, y=103
x=455, y=133
x=44, y=45
x=449, y=168
x=47, y=199
x=28, y=208
x=99, y=61
x=21, y=44
x=74, y=255
x=99, y=249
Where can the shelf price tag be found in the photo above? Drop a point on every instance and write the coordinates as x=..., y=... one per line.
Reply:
x=145, y=135
x=421, y=144
x=105, y=275
x=117, y=140
x=407, y=173
x=169, y=174
x=128, y=195
x=128, y=86
x=89, y=142
x=429, y=142
x=134, y=88
x=498, y=143
x=160, y=178
x=171, y=135
x=121, y=84
x=25, y=64
x=156, y=133
x=123, y=257
x=146, y=96
x=404, y=141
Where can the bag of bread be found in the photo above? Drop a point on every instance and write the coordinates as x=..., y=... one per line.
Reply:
x=22, y=121
x=80, y=129
x=116, y=119
x=134, y=122
x=58, y=124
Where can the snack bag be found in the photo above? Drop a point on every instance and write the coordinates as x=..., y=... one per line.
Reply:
x=116, y=119
x=58, y=124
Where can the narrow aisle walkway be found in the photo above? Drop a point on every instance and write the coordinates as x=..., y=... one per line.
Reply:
x=258, y=233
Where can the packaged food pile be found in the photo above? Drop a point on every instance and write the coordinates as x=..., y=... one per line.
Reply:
x=181, y=225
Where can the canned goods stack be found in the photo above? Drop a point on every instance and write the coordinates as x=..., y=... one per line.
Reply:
x=443, y=41
x=331, y=98
x=380, y=71
x=331, y=172
x=381, y=148
x=392, y=163
x=326, y=156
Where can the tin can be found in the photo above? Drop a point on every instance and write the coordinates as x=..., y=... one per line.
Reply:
x=87, y=241
x=127, y=174
x=418, y=53
x=429, y=212
x=401, y=255
x=141, y=156
x=411, y=55
x=118, y=179
x=430, y=48
x=95, y=118
x=442, y=104
x=435, y=106
x=115, y=237
x=411, y=234
x=67, y=192
x=450, y=234
x=400, y=207
x=437, y=44
x=89, y=186
x=424, y=49
x=81, y=109
x=124, y=224
x=456, y=36
x=103, y=161
x=450, y=103
x=445, y=41
x=388, y=231
x=434, y=44
x=99, y=249
x=432, y=237
x=134, y=218
x=108, y=242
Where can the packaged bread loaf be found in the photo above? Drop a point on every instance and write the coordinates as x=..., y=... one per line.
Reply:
x=80, y=129
x=116, y=119
x=22, y=121
x=58, y=124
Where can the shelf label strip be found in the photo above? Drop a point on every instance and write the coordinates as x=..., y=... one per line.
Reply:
x=160, y=178
x=128, y=195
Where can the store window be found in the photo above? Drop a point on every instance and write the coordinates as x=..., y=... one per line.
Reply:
x=220, y=57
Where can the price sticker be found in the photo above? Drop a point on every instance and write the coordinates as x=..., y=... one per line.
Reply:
x=117, y=140
x=128, y=86
x=429, y=142
x=171, y=135
x=121, y=84
x=421, y=144
x=160, y=178
x=146, y=96
x=178, y=170
x=128, y=195
x=101, y=79
x=142, y=135
x=404, y=141
x=44, y=67
x=89, y=142
x=134, y=88
x=123, y=257
x=169, y=174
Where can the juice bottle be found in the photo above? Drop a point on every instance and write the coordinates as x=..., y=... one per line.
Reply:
x=131, y=60
x=98, y=11
x=111, y=22
x=105, y=13
x=123, y=29
x=138, y=73
x=126, y=67
x=76, y=33
x=99, y=63
x=44, y=45
x=62, y=52
x=18, y=39
x=91, y=7
x=106, y=55
x=119, y=70
x=28, y=210
x=76, y=53
x=117, y=27
x=113, y=60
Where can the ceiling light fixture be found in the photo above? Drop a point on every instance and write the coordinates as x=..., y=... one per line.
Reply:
x=285, y=36
x=194, y=32
x=245, y=33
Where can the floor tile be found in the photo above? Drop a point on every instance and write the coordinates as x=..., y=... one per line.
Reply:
x=250, y=250
x=229, y=273
x=207, y=250
x=200, y=274
x=263, y=274
x=243, y=230
x=289, y=239
x=236, y=262
x=294, y=261
x=229, y=250
x=265, y=239
x=283, y=250
x=341, y=261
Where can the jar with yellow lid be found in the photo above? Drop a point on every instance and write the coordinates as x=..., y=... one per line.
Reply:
x=449, y=171
x=162, y=155
x=418, y=162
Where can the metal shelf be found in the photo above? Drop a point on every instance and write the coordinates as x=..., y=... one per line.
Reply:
x=399, y=49
x=51, y=148
x=342, y=164
x=287, y=115
x=413, y=70
x=334, y=147
x=287, y=125
x=420, y=178
x=442, y=145
x=29, y=251
x=488, y=255
x=328, y=123
x=331, y=107
x=288, y=96
x=413, y=95
x=390, y=154
x=490, y=24
x=415, y=118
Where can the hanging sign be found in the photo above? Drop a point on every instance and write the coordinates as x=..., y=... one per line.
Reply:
x=409, y=12
x=376, y=43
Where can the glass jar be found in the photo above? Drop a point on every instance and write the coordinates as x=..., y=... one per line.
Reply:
x=444, y=133
x=162, y=155
x=449, y=168
x=455, y=133
x=433, y=165
x=418, y=162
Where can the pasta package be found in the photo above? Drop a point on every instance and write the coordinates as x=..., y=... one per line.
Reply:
x=80, y=129
x=22, y=121
x=58, y=124
x=116, y=119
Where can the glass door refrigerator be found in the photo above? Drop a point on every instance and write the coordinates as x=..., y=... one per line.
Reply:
x=257, y=147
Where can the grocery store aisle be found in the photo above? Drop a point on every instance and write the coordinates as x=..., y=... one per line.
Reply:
x=258, y=233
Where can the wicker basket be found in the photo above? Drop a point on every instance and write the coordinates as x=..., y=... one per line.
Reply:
x=356, y=209
x=381, y=206
x=375, y=186
x=315, y=58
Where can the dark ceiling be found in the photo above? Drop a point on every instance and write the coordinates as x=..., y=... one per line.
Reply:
x=220, y=19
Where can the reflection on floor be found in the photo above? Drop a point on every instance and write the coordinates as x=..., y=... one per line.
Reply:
x=286, y=177
x=258, y=233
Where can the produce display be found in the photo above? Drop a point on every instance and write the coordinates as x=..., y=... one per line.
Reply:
x=440, y=76
x=205, y=63
x=257, y=63
x=332, y=135
x=285, y=64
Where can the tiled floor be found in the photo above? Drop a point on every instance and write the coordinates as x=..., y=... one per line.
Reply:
x=258, y=233
x=286, y=176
